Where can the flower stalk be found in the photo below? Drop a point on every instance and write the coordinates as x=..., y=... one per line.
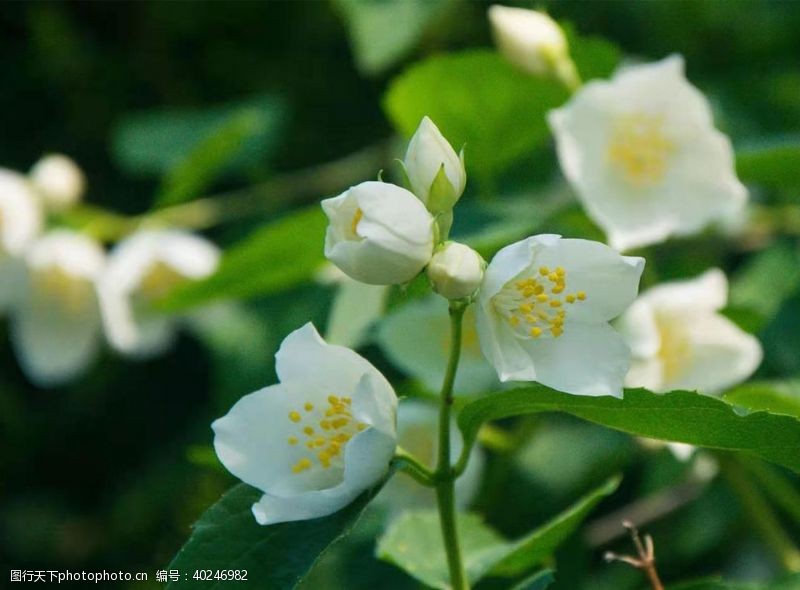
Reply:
x=445, y=474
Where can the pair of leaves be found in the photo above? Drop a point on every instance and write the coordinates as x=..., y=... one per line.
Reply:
x=414, y=543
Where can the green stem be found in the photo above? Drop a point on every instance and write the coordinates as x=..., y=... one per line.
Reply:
x=445, y=475
x=761, y=514
x=409, y=464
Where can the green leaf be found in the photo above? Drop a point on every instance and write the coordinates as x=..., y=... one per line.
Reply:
x=778, y=267
x=535, y=547
x=477, y=99
x=277, y=556
x=772, y=162
x=154, y=142
x=207, y=160
x=679, y=416
x=777, y=397
x=595, y=57
x=414, y=543
x=538, y=581
x=279, y=256
x=381, y=33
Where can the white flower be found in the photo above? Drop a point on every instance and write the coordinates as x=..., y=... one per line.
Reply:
x=55, y=324
x=643, y=155
x=416, y=339
x=142, y=269
x=529, y=39
x=417, y=433
x=456, y=270
x=378, y=233
x=435, y=171
x=20, y=225
x=543, y=313
x=316, y=440
x=679, y=340
x=59, y=180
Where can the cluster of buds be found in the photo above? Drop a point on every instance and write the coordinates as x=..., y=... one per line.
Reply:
x=383, y=234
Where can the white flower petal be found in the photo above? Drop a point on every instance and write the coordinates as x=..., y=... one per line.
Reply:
x=609, y=280
x=502, y=348
x=585, y=360
x=512, y=260
x=643, y=154
x=708, y=292
x=21, y=216
x=639, y=328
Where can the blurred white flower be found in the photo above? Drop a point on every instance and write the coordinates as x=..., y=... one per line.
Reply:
x=643, y=155
x=55, y=323
x=378, y=233
x=59, y=181
x=142, y=269
x=543, y=313
x=20, y=224
x=532, y=41
x=316, y=440
x=679, y=340
x=416, y=339
x=455, y=270
x=435, y=171
x=417, y=433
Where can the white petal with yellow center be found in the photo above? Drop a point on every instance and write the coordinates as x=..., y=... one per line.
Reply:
x=142, y=269
x=56, y=327
x=543, y=313
x=318, y=439
x=643, y=154
x=680, y=341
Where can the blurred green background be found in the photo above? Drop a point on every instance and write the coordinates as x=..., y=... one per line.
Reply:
x=110, y=472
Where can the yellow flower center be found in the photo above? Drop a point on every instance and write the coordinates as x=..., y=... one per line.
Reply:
x=159, y=280
x=72, y=293
x=324, y=432
x=639, y=149
x=536, y=306
x=675, y=350
x=355, y=221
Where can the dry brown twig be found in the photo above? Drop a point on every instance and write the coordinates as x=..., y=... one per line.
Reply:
x=646, y=558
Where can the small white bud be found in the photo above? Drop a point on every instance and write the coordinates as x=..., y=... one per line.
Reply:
x=456, y=271
x=435, y=171
x=532, y=41
x=59, y=180
x=378, y=233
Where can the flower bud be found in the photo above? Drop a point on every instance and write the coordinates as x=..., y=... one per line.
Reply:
x=378, y=233
x=435, y=171
x=59, y=181
x=456, y=271
x=532, y=41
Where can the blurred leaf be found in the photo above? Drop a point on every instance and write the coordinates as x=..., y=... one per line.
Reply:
x=781, y=339
x=772, y=162
x=478, y=100
x=679, y=416
x=595, y=57
x=782, y=490
x=778, y=267
x=155, y=142
x=204, y=163
x=535, y=547
x=241, y=346
x=414, y=544
x=276, y=556
x=538, y=581
x=789, y=583
x=279, y=256
x=383, y=32
x=777, y=397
